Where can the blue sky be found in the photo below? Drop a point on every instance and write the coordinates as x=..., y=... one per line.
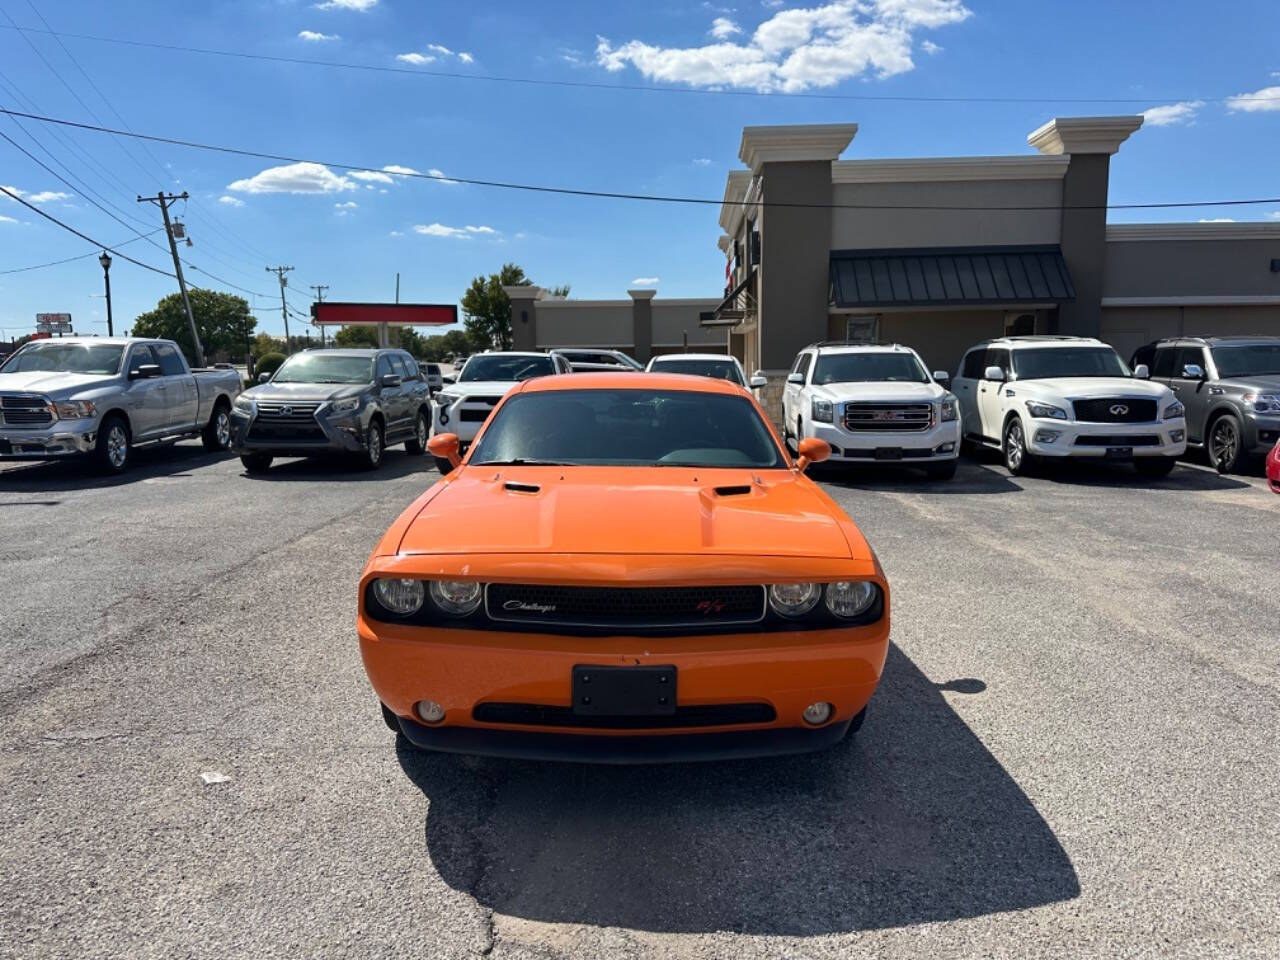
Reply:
x=356, y=234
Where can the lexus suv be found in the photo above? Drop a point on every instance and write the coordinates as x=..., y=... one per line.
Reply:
x=873, y=402
x=1048, y=397
x=1231, y=389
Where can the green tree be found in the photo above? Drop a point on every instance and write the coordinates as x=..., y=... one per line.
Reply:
x=264, y=343
x=486, y=309
x=222, y=320
x=361, y=337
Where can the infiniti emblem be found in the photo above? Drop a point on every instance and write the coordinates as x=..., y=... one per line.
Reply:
x=287, y=411
x=1119, y=409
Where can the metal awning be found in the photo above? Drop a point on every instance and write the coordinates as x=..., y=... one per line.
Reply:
x=949, y=277
x=736, y=307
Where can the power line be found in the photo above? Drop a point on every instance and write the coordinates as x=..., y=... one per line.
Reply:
x=79, y=256
x=633, y=87
x=651, y=198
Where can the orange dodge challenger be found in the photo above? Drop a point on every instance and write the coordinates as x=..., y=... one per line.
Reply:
x=626, y=568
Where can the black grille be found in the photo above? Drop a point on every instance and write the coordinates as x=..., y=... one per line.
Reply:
x=1119, y=440
x=287, y=412
x=711, y=715
x=888, y=416
x=625, y=607
x=1115, y=410
x=491, y=401
x=907, y=453
x=25, y=411
x=287, y=432
x=474, y=416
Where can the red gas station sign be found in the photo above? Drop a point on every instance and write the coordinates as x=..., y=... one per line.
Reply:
x=331, y=313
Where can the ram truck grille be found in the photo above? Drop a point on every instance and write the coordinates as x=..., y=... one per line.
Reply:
x=25, y=410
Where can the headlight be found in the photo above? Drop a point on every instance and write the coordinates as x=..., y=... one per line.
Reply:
x=851, y=598
x=74, y=409
x=1174, y=411
x=244, y=405
x=457, y=598
x=1263, y=402
x=345, y=405
x=947, y=410
x=446, y=399
x=1045, y=411
x=794, y=599
x=401, y=597
x=822, y=411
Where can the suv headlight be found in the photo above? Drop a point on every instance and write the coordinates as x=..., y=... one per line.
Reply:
x=1263, y=402
x=823, y=411
x=1045, y=411
x=446, y=399
x=345, y=405
x=244, y=405
x=1174, y=411
x=947, y=410
x=74, y=409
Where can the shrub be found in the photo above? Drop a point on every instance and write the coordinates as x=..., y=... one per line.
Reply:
x=269, y=363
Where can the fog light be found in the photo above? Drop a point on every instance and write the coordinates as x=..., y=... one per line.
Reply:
x=816, y=714
x=946, y=448
x=1175, y=436
x=429, y=711
x=444, y=417
x=1047, y=436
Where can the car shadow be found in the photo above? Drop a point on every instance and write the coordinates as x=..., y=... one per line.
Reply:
x=395, y=464
x=913, y=821
x=970, y=478
x=166, y=460
x=1183, y=477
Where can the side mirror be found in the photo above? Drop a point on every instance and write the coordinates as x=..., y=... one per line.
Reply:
x=1193, y=371
x=264, y=377
x=145, y=371
x=1142, y=372
x=759, y=381
x=796, y=378
x=391, y=380
x=445, y=446
x=993, y=373
x=811, y=450
x=941, y=376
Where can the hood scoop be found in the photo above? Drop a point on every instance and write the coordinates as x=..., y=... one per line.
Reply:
x=515, y=486
x=738, y=490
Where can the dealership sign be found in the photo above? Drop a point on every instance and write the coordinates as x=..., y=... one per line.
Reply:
x=53, y=323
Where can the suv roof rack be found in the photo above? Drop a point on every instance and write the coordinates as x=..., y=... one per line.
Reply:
x=854, y=343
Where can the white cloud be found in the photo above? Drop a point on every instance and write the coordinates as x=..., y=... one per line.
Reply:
x=1172, y=114
x=230, y=201
x=929, y=47
x=417, y=59
x=294, y=178
x=702, y=161
x=370, y=176
x=1266, y=99
x=396, y=233
x=1273, y=214
x=461, y=233
x=771, y=4
x=349, y=205
x=312, y=36
x=440, y=49
x=396, y=168
x=722, y=28
x=466, y=57
x=796, y=49
x=440, y=177
x=44, y=196
x=4, y=219
x=1218, y=220
x=359, y=6
x=645, y=282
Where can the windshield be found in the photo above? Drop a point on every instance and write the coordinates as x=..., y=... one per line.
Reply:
x=1048, y=362
x=325, y=368
x=666, y=428
x=506, y=367
x=869, y=368
x=102, y=359
x=716, y=369
x=1253, y=360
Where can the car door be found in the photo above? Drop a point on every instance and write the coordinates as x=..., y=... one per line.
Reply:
x=179, y=388
x=145, y=396
x=965, y=386
x=1192, y=391
x=417, y=391
x=792, y=409
x=990, y=403
x=391, y=398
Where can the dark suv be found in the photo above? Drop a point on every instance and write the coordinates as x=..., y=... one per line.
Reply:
x=356, y=402
x=1231, y=389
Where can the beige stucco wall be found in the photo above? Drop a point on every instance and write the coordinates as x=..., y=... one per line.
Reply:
x=570, y=324
x=871, y=229
x=941, y=336
x=1127, y=328
x=1191, y=268
x=671, y=321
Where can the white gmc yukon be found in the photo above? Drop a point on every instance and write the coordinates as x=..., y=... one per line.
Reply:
x=1041, y=398
x=873, y=402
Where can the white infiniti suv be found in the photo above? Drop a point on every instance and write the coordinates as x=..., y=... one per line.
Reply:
x=1054, y=397
x=872, y=403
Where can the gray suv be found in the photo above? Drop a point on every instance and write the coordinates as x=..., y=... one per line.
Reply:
x=355, y=402
x=1231, y=389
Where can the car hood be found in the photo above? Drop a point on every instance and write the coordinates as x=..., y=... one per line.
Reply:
x=488, y=388
x=1270, y=384
x=1082, y=388
x=627, y=510
x=880, y=392
x=305, y=391
x=46, y=382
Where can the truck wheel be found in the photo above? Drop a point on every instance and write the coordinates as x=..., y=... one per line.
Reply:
x=421, y=430
x=1225, y=447
x=217, y=432
x=371, y=459
x=256, y=462
x=1016, y=459
x=115, y=445
x=941, y=471
x=1154, y=466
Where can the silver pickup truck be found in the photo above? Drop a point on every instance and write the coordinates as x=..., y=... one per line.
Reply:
x=101, y=397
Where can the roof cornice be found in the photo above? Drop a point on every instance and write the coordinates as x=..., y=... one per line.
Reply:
x=940, y=169
x=1121, y=232
x=735, y=189
x=1083, y=134
x=788, y=143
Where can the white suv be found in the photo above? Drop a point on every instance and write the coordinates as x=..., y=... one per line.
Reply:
x=873, y=402
x=1055, y=397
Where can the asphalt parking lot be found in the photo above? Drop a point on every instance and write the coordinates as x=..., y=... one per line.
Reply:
x=1074, y=751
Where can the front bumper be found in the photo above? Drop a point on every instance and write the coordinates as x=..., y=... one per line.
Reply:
x=328, y=435
x=1261, y=432
x=62, y=439
x=939, y=442
x=450, y=420
x=1065, y=438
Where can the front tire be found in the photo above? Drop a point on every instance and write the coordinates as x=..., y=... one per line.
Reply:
x=114, y=449
x=1014, y=447
x=371, y=459
x=421, y=430
x=256, y=463
x=1154, y=466
x=216, y=435
x=1226, y=447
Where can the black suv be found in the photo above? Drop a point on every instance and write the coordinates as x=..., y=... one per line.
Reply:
x=1230, y=387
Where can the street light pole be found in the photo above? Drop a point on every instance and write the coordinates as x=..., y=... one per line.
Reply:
x=105, y=260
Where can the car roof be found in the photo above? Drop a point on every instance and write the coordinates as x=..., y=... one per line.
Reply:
x=677, y=357
x=1046, y=340
x=860, y=348
x=630, y=381
x=100, y=341
x=511, y=353
x=1233, y=338
x=351, y=351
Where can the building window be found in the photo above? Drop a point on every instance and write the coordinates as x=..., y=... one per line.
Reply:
x=862, y=328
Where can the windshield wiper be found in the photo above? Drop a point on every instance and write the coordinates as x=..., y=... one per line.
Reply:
x=524, y=462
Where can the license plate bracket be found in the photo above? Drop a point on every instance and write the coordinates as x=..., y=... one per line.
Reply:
x=600, y=691
x=1119, y=453
x=888, y=453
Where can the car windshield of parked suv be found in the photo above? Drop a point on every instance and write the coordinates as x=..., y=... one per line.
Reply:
x=506, y=367
x=1248, y=360
x=868, y=368
x=1046, y=363
x=665, y=428
x=325, y=368
x=102, y=359
x=716, y=369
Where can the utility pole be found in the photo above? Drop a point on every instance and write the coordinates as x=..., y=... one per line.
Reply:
x=320, y=289
x=284, y=306
x=164, y=200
